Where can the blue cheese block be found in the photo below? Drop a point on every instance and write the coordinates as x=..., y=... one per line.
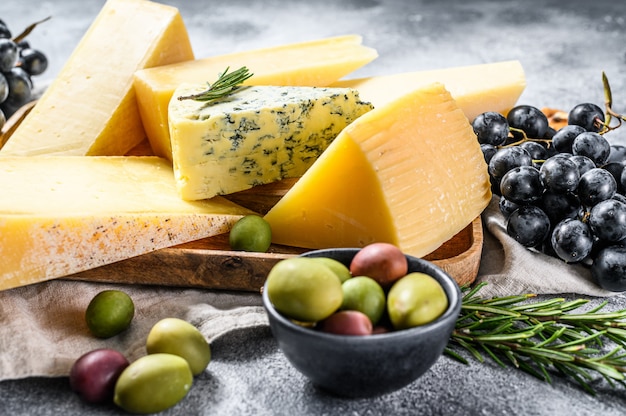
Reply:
x=254, y=136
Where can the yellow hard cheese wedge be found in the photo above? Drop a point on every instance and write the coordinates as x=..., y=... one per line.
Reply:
x=91, y=108
x=64, y=214
x=476, y=88
x=410, y=173
x=315, y=63
x=254, y=136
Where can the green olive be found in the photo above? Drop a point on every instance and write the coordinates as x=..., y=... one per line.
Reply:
x=340, y=269
x=153, y=383
x=251, y=233
x=109, y=313
x=415, y=299
x=364, y=294
x=304, y=289
x=179, y=337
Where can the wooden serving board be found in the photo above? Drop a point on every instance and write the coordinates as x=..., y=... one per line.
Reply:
x=210, y=263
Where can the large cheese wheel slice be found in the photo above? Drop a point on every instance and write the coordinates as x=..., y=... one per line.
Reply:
x=315, y=64
x=91, y=108
x=475, y=88
x=64, y=214
x=254, y=136
x=410, y=173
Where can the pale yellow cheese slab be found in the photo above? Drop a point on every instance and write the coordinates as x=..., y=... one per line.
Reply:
x=60, y=215
x=315, y=63
x=91, y=108
x=409, y=172
x=476, y=88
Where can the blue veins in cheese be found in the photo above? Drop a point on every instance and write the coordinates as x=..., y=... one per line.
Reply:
x=254, y=136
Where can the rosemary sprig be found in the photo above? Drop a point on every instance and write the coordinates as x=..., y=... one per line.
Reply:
x=225, y=84
x=541, y=337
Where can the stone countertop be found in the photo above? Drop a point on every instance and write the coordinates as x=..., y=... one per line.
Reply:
x=563, y=46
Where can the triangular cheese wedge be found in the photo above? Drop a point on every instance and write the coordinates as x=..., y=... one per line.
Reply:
x=90, y=108
x=64, y=214
x=475, y=88
x=409, y=173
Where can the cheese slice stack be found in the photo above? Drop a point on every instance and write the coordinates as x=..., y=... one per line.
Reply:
x=410, y=173
x=254, y=136
x=64, y=214
x=91, y=108
x=315, y=63
x=475, y=88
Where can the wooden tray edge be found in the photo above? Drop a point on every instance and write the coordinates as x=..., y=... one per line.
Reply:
x=240, y=271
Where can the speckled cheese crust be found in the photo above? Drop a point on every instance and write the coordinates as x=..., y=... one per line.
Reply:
x=65, y=214
x=255, y=136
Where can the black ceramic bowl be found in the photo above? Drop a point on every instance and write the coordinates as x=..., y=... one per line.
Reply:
x=360, y=366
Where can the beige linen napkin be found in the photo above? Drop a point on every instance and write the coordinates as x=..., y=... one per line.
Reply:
x=43, y=331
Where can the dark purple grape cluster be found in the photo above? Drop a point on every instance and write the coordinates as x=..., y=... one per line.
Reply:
x=562, y=192
x=19, y=62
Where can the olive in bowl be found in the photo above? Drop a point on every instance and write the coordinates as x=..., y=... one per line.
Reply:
x=366, y=365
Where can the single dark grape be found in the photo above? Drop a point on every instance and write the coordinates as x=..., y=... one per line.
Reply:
x=488, y=151
x=595, y=186
x=20, y=87
x=507, y=207
x=4, y=88
x=33, y=61
x=508, y=158
x=529, y=119
x=8, y=54
x=618, y=154
x=559, y=206
x=607, y=220
x=528, y=225
x=592, y=145
x=609, y=268
x=536, y=150
x=521, y=185
x=587, y=115
x=564, y=137
x=583, y=163
x=23, y=44
x=559, y=174
x=491, y=128
x=616, y=169
x=571, y=240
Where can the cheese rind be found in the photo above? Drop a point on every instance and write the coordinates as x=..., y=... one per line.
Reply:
x=475, y=88
x=410, y=173
x=91, y=107
x=315, y=63
x=254, y=136
x=64, y=214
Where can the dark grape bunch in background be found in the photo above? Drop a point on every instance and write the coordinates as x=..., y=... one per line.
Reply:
x=562, y=192
x=19, y=62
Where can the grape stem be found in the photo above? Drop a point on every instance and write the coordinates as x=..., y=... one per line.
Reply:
x=29, y=29
x=524, y=138
x=608, y=103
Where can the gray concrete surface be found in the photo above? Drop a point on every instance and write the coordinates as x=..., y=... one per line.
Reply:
x=563, y=46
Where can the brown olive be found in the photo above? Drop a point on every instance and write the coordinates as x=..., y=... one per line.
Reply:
x=383, y=262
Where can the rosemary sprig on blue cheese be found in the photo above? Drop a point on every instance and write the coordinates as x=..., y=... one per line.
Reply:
x=226, y=84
